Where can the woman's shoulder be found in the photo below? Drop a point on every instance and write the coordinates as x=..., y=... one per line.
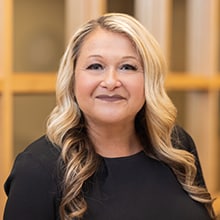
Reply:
x=42, y=150
x=32, y=184
x=38, y=160
x=181, y=139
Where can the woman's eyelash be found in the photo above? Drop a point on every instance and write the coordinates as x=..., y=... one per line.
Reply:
x=98, y=66
x=129, y=67
x=95, y=66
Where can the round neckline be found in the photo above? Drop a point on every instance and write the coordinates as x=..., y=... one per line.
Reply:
x=128, y=157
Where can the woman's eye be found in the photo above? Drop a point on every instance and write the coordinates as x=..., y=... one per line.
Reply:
x=128, y=67
x=95, y=66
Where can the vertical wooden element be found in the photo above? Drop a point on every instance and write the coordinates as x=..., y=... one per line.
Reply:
x=6, y=96
x=156, y=16
x=202, y=107
x=78, y=12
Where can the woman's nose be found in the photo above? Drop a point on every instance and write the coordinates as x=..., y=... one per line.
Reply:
x=111, y=80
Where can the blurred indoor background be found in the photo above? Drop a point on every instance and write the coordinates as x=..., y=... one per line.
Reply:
x=33, y=36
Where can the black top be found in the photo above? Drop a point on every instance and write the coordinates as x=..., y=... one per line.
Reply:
x=133, y=187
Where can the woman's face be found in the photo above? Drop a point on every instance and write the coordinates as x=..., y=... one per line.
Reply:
x=109, y=79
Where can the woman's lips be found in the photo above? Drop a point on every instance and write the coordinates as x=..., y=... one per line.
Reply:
x=110, y=98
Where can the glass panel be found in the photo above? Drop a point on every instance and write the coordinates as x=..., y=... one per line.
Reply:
x=178, y=36
x=30, y=115
x=38, y=35
x=179, y=100
x=121, y=6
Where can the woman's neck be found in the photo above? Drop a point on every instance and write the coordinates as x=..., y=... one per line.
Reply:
x=114, y=141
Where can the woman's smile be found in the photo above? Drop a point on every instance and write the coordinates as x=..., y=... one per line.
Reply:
x=110, y=98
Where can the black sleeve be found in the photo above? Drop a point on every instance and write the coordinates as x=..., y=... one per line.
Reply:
x=31, y=191
x=182, y=140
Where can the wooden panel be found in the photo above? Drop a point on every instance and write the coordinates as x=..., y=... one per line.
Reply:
x=192, y=82
x=6, y=97
x=217, y=204
x=34, y=82
x=202, y=108
x=155, y=15
x=1, y=84
x=78, y=12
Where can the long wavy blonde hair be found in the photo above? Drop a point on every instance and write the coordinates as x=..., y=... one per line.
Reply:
x=66, y=125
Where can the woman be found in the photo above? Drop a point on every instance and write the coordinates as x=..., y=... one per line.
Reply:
x=112, y=150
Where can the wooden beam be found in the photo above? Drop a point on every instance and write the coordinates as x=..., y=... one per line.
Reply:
x=33, y=82
x=192, y=82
